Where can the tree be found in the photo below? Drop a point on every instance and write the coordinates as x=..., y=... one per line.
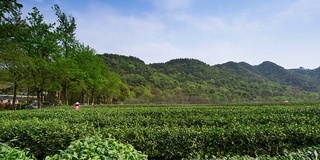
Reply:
x=66, y=31
x=13, y=30
x=42, y=47
x=9, y=8
x=47, y=57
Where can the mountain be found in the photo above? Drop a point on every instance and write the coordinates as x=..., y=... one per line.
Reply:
x=300, y=78
x=192, y=81
x=185, y=70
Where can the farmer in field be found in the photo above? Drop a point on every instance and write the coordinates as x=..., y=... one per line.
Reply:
x=76, y=106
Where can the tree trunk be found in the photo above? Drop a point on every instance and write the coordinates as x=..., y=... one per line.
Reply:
x=39, y=99
x=59, y=96
x=82, y=98
x=15, y=86
x=92, y=97
x=65, y=93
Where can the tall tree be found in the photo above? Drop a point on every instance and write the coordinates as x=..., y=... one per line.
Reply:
x=13, y=30
x=42, y=47
x=92, y=69
x=66, y=29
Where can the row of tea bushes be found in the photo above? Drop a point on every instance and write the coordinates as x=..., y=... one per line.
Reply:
x=100, y=149
x=168, y=132
x=94, y=147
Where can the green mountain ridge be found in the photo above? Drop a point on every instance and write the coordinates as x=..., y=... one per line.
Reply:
x=188, y=80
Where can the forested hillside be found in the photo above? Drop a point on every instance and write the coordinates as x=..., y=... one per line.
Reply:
x=193, y=81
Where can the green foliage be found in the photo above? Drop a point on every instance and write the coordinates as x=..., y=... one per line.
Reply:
x=41, y=48
x=96, y=147
x=93, y=147
x=42, y=137
x=9, y=9
x=192, y=81
x=39, y=57
x=301, y=78
x=305, y=153
x=169, y=131
x=309, y=153
x=8, y=153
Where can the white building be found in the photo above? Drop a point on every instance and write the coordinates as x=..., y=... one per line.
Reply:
x=9, y=98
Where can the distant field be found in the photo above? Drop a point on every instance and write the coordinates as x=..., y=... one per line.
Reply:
x=169, y=131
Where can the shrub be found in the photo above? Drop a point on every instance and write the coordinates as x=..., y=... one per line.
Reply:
x=7, y=152
x=42, y=137
x=96, y=147
x=305, y=153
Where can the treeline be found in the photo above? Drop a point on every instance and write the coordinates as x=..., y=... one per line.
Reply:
x=46, y=60
x=193, y=81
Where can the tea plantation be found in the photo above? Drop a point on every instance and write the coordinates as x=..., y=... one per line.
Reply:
x=163, y=132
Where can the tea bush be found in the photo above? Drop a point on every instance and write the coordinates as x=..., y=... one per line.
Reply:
x=168, y=131
x=9, y=153
x=98, y=148
x=42, y=137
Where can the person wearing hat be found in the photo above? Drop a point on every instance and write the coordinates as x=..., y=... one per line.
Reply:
x=76, y=106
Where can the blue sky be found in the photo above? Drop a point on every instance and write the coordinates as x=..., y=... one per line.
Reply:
x=286, y=32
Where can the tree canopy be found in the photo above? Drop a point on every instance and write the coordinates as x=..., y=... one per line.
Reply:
x=46, y=60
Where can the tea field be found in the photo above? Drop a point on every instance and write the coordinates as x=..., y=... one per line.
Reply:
x=171, y=131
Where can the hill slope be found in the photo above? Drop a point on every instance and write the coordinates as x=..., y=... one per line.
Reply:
x=193, y=81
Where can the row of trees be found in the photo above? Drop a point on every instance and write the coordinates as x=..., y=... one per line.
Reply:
x=40, y=57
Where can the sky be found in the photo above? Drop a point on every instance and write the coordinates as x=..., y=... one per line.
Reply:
x=286, y=32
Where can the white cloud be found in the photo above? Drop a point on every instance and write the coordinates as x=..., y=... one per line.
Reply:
x=219, y=25
x=204, y=23
x=162, y=36
x=110, y=31
x=301, y=10
x=153, y=38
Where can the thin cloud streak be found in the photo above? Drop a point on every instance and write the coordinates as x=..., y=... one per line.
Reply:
x=301, y=10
